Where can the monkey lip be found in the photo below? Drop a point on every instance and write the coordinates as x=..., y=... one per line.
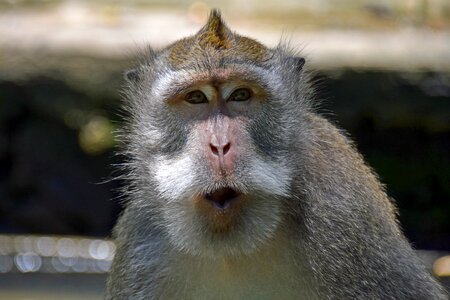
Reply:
x=222, y=198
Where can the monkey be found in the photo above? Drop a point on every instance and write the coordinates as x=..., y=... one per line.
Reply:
x=239, y=189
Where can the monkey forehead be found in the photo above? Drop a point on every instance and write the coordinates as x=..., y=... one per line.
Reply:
x=187, y=51
x=216, y=42
x=181, y=80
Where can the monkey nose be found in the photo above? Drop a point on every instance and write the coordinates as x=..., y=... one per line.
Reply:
x=220, y=150
x=222, y=154
x=222, y=157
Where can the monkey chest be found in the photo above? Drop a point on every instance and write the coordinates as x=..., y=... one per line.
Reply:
x=247, y=280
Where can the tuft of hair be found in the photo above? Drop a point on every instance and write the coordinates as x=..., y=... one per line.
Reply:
x=215, y=33
x=216, y=37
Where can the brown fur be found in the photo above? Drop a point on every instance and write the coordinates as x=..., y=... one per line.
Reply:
x=214, y=38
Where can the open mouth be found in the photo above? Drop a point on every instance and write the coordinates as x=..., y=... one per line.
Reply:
x=222, y=198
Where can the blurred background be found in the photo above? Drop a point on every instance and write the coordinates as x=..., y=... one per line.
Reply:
x=382, y=74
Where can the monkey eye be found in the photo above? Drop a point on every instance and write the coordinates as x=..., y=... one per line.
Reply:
x=196, y=97
x=241, y=94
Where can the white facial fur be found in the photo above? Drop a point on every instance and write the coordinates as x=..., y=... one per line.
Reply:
x=177, y=177
x=180, y=179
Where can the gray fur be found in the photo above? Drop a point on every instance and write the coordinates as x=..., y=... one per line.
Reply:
x=324, y=230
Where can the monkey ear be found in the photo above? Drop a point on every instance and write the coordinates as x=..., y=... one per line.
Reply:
x=297, y=62
x=132, y=75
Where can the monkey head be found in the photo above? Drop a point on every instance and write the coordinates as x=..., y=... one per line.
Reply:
x=212, y=120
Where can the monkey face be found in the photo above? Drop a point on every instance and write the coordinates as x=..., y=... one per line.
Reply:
x=214, y=153
x=213, y=117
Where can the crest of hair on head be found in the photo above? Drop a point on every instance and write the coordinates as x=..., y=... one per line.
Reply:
x=215, y=33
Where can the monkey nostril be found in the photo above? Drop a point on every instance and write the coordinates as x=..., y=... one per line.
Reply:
x=226, y=148
x=216, y=149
